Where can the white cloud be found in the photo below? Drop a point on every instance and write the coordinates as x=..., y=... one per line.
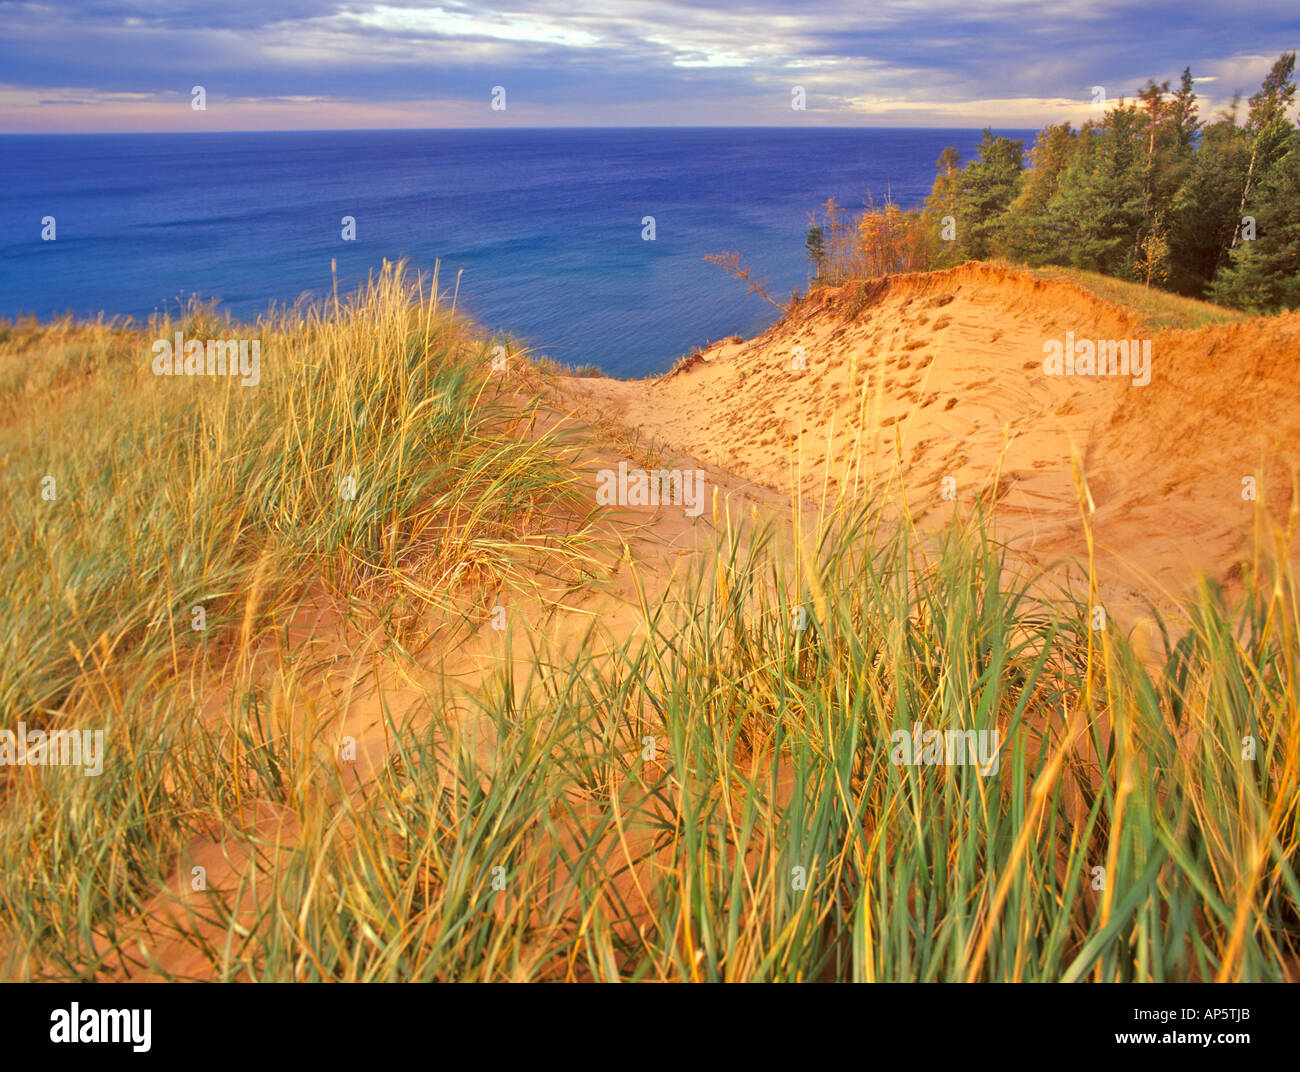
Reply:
x=443, y=23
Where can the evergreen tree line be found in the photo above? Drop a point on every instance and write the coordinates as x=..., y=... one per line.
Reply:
x=1149, y=192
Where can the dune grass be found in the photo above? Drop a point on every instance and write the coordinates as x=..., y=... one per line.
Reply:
x=161, y=530
x=1158, y=308
x=708, y=796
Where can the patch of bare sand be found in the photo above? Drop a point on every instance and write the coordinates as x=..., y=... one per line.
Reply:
x=911, y=380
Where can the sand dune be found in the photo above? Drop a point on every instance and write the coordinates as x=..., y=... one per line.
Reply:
x=905, y=381
x=888, y=388
x=909, y=380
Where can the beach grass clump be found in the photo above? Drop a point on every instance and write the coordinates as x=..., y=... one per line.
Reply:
x=162, y=532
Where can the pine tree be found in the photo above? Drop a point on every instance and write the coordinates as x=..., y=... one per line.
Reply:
x=1031, y=234
x=1267, y=127
x=1183, y=109
x=941, y=209
x=1264, y=274
x=977, y=197
x=1261, y=274
x=815, y=244
x=1205, y=209
x=1098, y=210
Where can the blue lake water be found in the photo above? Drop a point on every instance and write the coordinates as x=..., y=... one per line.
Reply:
x=546, y=224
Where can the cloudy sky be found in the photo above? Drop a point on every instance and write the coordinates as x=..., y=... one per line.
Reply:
x=129, y=65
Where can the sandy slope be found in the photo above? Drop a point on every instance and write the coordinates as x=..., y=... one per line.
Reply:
x=907, y=381
x=912, y=379
x=641, y=552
